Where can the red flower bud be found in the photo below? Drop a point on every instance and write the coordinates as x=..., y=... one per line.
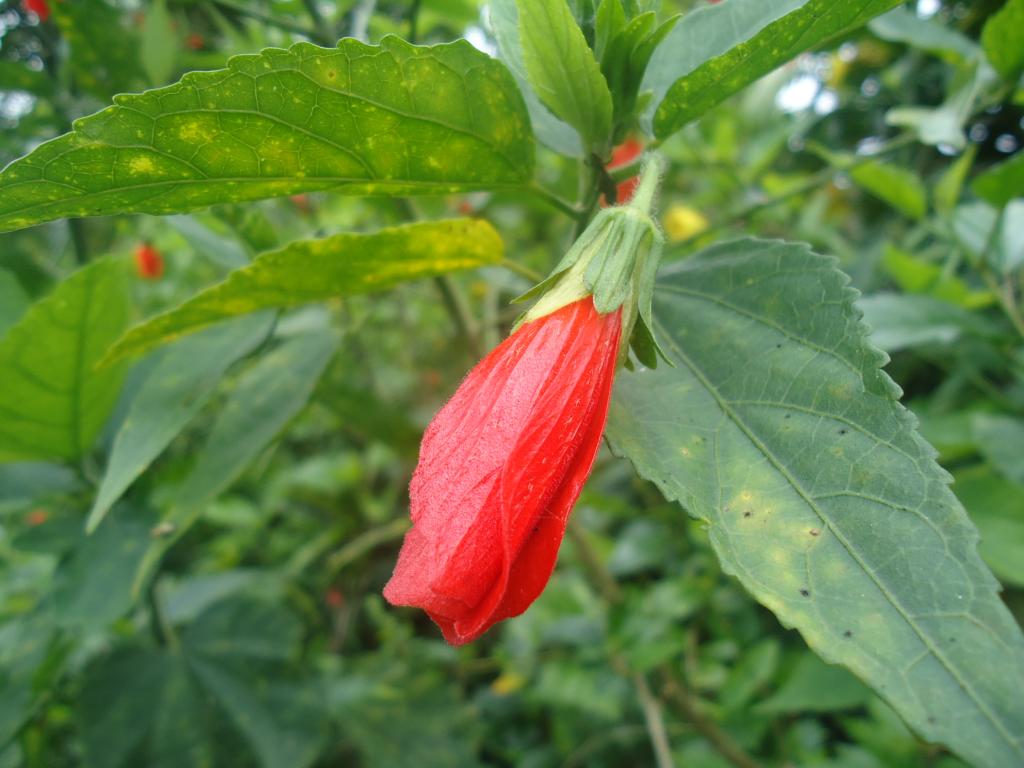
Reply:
x=625, y=153
x=39, y=7
x=194, y=41
x=148, y=262
x=500, y=468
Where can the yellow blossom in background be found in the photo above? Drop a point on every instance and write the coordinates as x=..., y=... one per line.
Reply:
x=682, y=222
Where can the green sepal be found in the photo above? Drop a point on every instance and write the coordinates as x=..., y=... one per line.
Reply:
x=610, y=273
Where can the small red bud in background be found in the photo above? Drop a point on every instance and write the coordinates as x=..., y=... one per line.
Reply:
x=302, y=203
x=334, y=598
x=466, y=208
x=148, y=262
x=39, y=7
x=625, y=153
x=37, y=517
x=194, y=41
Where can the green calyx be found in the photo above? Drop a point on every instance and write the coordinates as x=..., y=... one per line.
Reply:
x=615, y=260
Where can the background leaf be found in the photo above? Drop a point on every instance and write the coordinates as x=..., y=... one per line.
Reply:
x=1001, y=183
x=53, y=401
x=1003, y=39
x=265, y=398
x=726, y=47
x=819, y=495
x=316, y=270
x=174, y=391
x=996, y=505
x=549, y=130
x=563, y=70
x=393, y=118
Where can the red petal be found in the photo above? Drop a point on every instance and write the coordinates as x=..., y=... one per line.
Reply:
x=500, y=468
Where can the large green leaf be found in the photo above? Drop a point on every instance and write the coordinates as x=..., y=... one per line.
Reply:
x=388, y=119
x=263, y=400
x=996, y=506
x=53, y=401
x=1002, y=182
x=548, y=129
x=719, y=49
x=777, y=427
x=1003, y=39
x=177, y=707
x=317, y=270
x=563, y=70
x=174, y=391
x=93, y=587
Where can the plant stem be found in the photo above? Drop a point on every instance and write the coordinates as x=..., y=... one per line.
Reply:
x=709, y=729
x=654, y=721
x=554, y=200
x=604, y=582
x=650, y=178
x=522, y=270
x=366, y=541
x=458, y=308
x=413, y=18
x=598, y=574
x=319, y=23
x=161, y=624
x=590, y=192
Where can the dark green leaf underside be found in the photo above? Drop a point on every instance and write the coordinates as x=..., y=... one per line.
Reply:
x=359, y=119
x=814, y=23
x=779, y=429
x=317, y=270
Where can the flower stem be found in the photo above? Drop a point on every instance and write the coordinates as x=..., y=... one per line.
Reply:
x=650, y=178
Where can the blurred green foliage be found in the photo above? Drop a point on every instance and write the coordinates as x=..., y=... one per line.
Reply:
x=228, y=611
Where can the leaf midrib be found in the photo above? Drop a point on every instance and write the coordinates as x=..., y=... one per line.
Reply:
x=780, y=467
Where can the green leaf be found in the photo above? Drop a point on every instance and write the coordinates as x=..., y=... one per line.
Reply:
x=563, y=70
x=388, y=119
x=13, y=300
x=1003, y=39
x=1001, y=183
x=174, y=709
x=265, y=398
x=249, y=628
x=716, y=51
x=220, y=248
x=94, y=587
x=916, y=275
x=779, y=430
x=899, y=187
x=997, y=236
x=174, y=391
x=814, y=686
x=951, y=183
x=996, y=506
x=901, y=25
x=559, y=136
x=116, y=708
x=898, y=321
x=159, y=46
x=1001, y=439
x=283, y=722
x=317, y=270
x=944, y=124
x=103, y=57
x=268, y=395
x=53, y=401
